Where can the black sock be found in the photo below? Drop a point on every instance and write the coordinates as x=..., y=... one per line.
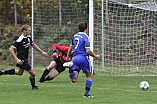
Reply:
x=11, y=72
x=47, y=79
x=45, y=73
x=32, y=81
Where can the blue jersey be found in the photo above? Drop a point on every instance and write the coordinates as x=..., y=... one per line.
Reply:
x=80, y=58
x=80, y=41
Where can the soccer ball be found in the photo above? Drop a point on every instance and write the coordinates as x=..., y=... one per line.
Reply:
x=144, y=85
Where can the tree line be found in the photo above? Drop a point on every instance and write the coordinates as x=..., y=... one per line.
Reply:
x=11, y=10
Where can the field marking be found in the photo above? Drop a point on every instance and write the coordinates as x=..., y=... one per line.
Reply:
x=126, y=90
x=14, y=84
x=82, y=87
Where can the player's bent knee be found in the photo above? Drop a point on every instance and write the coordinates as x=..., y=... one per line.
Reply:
x=73, y=81
x=32, y=75
x=72, y=74
x=19, y=74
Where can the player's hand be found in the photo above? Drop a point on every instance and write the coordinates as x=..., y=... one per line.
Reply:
x=97, y=56
x=45, y=54
x=19, y=62
x=54, y=55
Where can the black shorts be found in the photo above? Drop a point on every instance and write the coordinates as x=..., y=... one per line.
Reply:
x=59, y=66
x=25, y=66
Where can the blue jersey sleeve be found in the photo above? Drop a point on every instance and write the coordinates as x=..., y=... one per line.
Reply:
x=72, y=43
x=87, y=42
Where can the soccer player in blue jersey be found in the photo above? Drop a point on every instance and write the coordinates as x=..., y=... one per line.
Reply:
x=81, y=51
x=22, y=47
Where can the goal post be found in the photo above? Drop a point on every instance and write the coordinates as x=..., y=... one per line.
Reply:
x=91, y=27
x=32, y=55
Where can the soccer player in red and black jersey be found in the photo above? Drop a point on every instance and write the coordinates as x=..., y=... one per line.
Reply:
x=22, y=46
x=57, y=63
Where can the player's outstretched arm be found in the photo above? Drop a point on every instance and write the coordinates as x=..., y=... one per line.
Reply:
x=38, y=49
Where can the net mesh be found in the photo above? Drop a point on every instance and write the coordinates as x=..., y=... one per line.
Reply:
x=129, y=37
x=55, y=22
x=129, y=32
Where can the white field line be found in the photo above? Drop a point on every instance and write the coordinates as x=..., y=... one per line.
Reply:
x=80, y=87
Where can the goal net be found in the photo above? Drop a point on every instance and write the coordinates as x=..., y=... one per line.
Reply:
x=55, y=22
x=124, y=32
x=129, y=39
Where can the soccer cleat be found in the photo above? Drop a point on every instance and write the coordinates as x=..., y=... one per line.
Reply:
x=68, y=64
x=88, y=95
x=40, y=81
x=72, y=82
x=35, y=88
x=1, y=73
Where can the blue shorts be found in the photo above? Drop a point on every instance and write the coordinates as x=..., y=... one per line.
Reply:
x=81, y=62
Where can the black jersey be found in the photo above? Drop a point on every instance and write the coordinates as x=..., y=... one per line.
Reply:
x=22, y=46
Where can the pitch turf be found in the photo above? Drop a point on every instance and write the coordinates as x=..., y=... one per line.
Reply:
x=105, y=89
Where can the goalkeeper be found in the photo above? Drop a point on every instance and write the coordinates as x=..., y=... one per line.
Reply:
x=57, y=63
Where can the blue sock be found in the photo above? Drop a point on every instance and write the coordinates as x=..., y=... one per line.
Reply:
x=88, y=86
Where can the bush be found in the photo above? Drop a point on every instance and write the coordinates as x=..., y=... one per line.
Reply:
x=6, y=43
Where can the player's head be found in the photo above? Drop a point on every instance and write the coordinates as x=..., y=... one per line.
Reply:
x=82, y=26
x=26, y=29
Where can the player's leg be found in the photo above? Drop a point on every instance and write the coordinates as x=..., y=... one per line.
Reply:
x=74, y=69
x=32, y=78
x=87, y=69
x=12, y=71
x=19, y=71
x=88, y=84
x=52, y=65
x=59, y=68
x=51, y=76
x=8, y=72
x=26, y=66
x=74, y=79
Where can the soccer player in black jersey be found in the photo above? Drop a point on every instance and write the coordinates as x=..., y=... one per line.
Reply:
x=22, y=47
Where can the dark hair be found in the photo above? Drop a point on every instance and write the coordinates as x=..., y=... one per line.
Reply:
x=82, y=26
x=24, y=27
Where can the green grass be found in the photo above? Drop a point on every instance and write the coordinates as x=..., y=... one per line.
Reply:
x=105, y=89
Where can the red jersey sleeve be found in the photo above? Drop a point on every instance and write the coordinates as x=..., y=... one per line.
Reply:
x=58, y=47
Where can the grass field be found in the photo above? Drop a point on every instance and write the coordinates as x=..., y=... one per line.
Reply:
x=105, y=89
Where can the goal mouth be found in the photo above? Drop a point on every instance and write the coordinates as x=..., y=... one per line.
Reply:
x=123, y=32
